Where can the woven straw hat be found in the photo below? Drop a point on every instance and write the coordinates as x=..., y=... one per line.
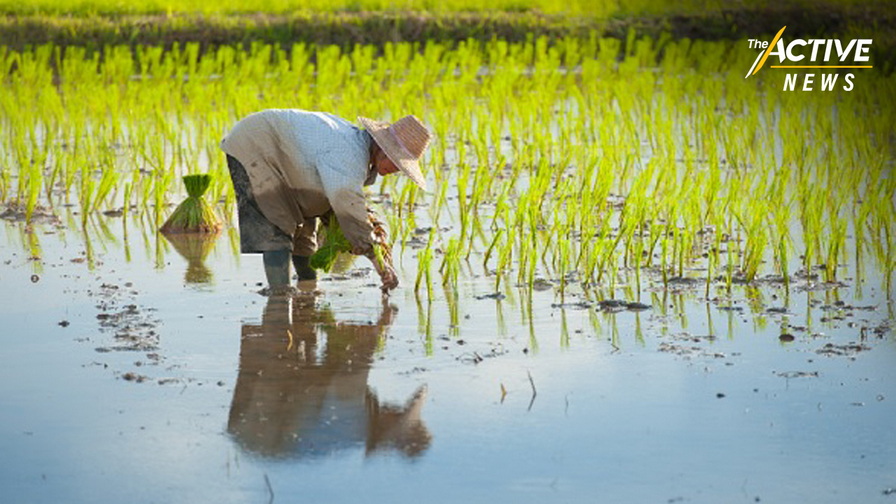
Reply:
x=403, y=141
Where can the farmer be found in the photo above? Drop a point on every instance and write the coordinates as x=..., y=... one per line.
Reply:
x=292, y=167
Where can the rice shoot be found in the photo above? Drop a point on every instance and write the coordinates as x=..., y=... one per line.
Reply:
x=333, y=243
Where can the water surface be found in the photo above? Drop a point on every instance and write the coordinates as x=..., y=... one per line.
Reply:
x=131, y=373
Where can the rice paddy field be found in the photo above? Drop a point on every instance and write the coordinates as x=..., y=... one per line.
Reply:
x=638, y=276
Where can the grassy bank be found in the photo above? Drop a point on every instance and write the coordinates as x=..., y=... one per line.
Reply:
x=589, y=8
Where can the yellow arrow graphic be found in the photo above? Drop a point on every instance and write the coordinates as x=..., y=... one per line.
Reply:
x=769, y=50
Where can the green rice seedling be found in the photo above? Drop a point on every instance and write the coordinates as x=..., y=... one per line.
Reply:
x=756, y=241
x=566, y=156
x=333, y=243
x=424, y=259
x=836, y=243
x=34, y=182
x=161, y=182
x=194, y=214
x=488, y=251
x=450, y=266
x=108, y=181
x=126, y=201
x=86, y=190
x=404, y=227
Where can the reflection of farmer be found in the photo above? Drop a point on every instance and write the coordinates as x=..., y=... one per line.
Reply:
x=296, y=395
x=290, y=167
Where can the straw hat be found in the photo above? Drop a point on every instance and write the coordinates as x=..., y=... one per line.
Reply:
x=404, y=142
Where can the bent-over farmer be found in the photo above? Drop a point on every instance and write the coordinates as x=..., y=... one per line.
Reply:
x=291, y=167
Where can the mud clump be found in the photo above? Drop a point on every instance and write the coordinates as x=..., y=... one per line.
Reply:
x=797, y=374
x=134, y=377
x=685, y=345
x=617, y=305
x=689, y=352
x=132, y=328
x=848, y=350
x=16, y=212
x=284, y=291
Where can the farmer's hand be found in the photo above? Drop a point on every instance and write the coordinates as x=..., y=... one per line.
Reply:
x=389, y=278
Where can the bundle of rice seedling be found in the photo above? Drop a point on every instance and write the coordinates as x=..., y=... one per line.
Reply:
x=334, y=243
x=194, y=215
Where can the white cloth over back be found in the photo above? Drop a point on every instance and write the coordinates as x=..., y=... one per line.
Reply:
x=302, y=164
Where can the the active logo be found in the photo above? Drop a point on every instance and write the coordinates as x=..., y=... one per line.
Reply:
x=812, y=64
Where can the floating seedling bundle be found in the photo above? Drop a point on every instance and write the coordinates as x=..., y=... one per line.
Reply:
x=194, y=215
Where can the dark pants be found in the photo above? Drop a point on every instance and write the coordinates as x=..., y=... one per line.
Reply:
x=257, y=233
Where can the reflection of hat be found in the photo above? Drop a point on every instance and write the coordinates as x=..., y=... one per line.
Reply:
x=404, y=142
x=401, y=428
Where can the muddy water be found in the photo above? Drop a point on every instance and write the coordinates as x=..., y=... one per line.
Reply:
x=137, y=370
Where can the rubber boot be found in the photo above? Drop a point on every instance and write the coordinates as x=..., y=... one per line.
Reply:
x=303, y=270
x=276, y=268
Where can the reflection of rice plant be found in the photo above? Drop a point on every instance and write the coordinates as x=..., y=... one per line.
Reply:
x=424, y=260
x=194, y=247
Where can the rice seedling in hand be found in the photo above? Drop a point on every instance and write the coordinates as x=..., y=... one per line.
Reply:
x=194, y=215
x=382, y=250
x=334, y=243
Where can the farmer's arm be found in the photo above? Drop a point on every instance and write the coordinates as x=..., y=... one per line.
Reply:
x=350, y=207
x=344, y=190
x=351, y=211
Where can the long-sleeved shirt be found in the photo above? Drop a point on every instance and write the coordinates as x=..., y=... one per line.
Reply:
x=303, y=164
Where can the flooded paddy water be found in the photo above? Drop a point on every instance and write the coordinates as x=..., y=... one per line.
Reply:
x=589, y=311
x=126, y=379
